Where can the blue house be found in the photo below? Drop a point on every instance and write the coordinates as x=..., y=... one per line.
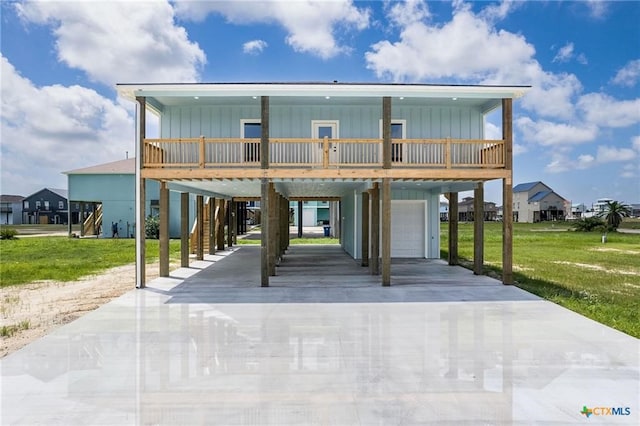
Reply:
x=110, y=188
x=384, y=153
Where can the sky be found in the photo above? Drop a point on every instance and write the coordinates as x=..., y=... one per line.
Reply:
x=577, y=130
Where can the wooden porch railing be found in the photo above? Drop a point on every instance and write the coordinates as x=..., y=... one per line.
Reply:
x=323, y=153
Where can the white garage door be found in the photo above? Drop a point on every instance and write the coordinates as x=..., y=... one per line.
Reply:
x=309, y=217
x=407, y=229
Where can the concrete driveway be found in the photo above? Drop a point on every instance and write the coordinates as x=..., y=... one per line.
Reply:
x=325, y=344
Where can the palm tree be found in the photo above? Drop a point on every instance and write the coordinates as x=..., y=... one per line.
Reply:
x=613, y=213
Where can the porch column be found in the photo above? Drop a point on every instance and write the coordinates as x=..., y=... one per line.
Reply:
x=220, y=222
x=141, y=278
x=284, y=224
x=212, y=225
x=184, y=229
x=234, y=220
x=386, y=232
x=200, y=227
x=230, y=230
x=265, y=196
x=375, y=229
x=273, y=229
x=365, y=229
x=81, y=213
x=478, y=229
x=264, y=134
x=386, y=133
x=164, y=229
x=299, y=219
x=507, y=193
x=453, y=228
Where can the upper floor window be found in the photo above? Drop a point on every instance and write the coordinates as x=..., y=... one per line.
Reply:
x=398, y=131
x=38, y=204
x=251, y=129
x=46, y=205
x=61, y=204
x=25, y=204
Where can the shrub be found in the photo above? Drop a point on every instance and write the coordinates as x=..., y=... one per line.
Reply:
x=152, y=227
x=590, y=224
x=8, y=233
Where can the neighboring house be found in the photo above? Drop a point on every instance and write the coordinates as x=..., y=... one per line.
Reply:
x=635, y=210
x=536, y=202
x=352, y=144
x=466, y=210
x=11, y=209
x=578, y=210
x=47, y=206
x=314, y=213
x=110, y=189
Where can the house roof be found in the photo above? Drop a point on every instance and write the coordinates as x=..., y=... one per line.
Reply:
x=541, y=195
x=524, y=187
x=158, y=96
x=11, y=198
x=61, y=192
x=127, y=166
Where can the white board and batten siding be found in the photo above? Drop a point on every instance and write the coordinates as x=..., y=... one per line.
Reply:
x=408, y=226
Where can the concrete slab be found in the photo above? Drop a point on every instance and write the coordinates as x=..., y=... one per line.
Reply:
x=326, y=344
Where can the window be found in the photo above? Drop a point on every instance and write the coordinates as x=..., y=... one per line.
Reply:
x=46, y=205
x=38, y=205
x=25, y=205
x=398, y=131
x=251, y=129
x=61, y=205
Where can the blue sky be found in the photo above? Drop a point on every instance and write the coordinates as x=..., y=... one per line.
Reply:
x=578, y=130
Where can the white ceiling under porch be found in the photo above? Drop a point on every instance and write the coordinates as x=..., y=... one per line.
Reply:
x=307, y=188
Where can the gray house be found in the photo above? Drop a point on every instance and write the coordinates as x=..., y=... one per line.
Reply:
x=11, y=209
x=47, y=206
x=536, y=202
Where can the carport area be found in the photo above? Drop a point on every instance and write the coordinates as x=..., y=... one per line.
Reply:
x=324, y=344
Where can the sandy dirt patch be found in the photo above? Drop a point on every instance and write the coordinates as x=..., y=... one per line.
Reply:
x=597, y=268
x=50, y=304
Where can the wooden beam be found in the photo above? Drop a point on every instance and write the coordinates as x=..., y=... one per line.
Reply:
x=230, y=231
x=453, y=228
x=212, y=225
x=507, y=193
x=273, y=229
x=386, y=232
x=478, y=229
x=264, y=232
x=365, y=229
x=200, y=227
x=374, y=265
x=141, y=273
x=386, y=132
x=220, y=221
x=184, y=229
x=164, y=230
x=396, y=173
x=264, y=135
x=300, y=217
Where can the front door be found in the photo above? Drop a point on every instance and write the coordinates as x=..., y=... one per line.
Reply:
x=328, y=129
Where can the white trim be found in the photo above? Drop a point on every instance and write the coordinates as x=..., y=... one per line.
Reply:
x=244, y=121
x=317, y=123
x=139, y=228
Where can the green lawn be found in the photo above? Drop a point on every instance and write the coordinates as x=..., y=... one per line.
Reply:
x=575, y=270
x=66, y=259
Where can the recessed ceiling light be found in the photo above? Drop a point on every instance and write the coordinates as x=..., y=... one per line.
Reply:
x=255, y=97
x=327, y=97
x=196, y=97
x=454, y=99
x=401, y=97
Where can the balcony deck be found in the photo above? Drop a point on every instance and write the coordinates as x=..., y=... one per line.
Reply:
x=201, y=158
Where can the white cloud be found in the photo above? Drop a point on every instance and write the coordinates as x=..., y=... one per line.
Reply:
x=603, y=110
x=608, y=154
x=565, y=53
x=119, y=41
x=254, y=47
x=419, y=54
x=557, y=135
x=312, y=26
x=50, y=129
x=628, y=75
x=635, y=143
x=597, y=8
x=408, y=12
x=605, y=154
